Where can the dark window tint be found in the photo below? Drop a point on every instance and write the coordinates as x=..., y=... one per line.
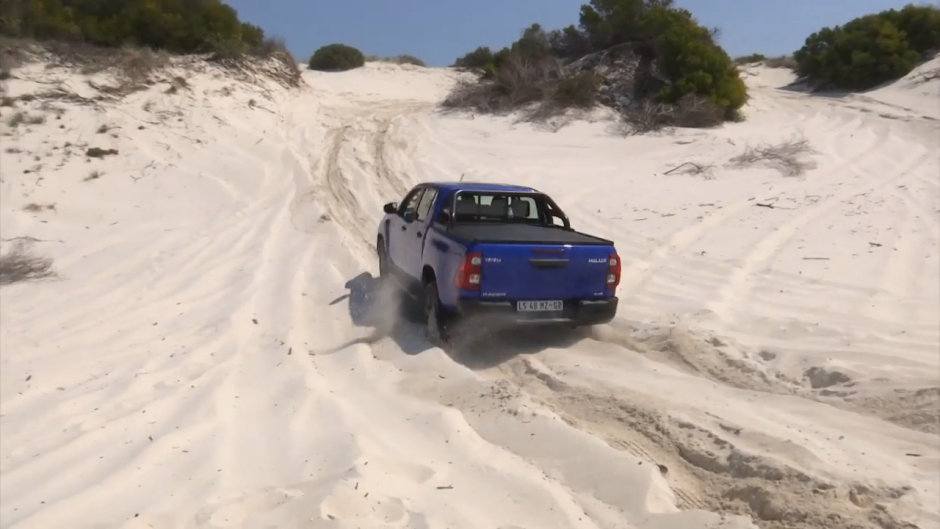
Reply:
x=492, y=206
x=410, y=203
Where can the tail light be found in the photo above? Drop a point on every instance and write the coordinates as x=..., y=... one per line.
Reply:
x=470, y=272
x=613, y=271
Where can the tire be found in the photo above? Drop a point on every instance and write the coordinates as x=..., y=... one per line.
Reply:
x=383, y=259
x=435, y=319
x=405, y=306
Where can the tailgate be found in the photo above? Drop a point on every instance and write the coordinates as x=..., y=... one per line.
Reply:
x=544, y=272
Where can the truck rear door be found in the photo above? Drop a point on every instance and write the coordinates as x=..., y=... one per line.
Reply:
x=535, y=272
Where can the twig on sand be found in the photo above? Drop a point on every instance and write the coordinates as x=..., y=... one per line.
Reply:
x=692, y=168
x=771, y=205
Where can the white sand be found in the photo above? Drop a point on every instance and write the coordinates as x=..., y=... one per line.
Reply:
x=776, y=364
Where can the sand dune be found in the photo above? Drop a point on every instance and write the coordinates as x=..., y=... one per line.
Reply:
x=213, y=352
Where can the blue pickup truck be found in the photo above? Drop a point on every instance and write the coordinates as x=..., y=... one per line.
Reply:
x=493, y=253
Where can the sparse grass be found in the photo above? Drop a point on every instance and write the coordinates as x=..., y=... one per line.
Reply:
x=98, y=152
x=783, y=61
x=12, y=150
x=650, y=116
x=536, y=85
x=397, y=59
x=750, y=59
x=176, y=84
x=287, y=71
x=94, y=175
x=16, y=120
x=787, y=157
x=275, y=48
x=136, y=69
x=23, y=118
x=36, y=208
x=7, y=101
x=103, y=129
x=11, y=58
x=135, y=66
x=695, y=169
x=19, y=265
x=925, y=77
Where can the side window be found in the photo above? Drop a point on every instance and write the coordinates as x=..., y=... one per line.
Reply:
x=427, y=201
x=410, y=203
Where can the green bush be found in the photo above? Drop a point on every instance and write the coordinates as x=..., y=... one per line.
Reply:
x=687, y=56
x=336, y=58
x=750, y=59
x=870, y=50
x=693, y=63
x=686, y=52
x=607, y=23
x=478, y=58
x=171, y=25
x=921, y=25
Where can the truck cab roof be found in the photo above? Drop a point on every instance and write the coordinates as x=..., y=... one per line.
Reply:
x=481, y=187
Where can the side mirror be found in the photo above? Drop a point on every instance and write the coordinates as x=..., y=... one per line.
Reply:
x=408, y=215
x=391, y=207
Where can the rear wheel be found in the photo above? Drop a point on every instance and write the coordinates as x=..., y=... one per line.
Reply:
x=435, y=317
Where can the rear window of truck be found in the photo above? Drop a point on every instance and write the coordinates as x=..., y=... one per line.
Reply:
x=496, y=207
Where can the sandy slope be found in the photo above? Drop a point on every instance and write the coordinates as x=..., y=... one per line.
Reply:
x=213, y=354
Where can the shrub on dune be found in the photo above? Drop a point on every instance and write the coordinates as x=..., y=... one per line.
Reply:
x=336, y=58
x=101, y=35
x=693, y=64
x=625, y=53
x=870, y=50
x=176, y=27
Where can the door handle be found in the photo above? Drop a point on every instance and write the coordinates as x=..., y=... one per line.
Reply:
x=403, y=228
x=419, y=234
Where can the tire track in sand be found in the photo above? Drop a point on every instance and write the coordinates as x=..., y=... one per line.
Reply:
x=331, y=186
x=736, y=292
x=339, y=201
x=636, y=276
x=705, y=467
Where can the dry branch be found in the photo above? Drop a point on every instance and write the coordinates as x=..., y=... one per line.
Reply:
x=785, y=157
x=691, y=168
x=19, y=265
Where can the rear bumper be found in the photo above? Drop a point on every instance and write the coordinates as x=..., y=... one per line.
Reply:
x=576, y=312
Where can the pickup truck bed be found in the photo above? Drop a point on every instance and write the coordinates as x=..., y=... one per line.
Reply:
x=507, y=233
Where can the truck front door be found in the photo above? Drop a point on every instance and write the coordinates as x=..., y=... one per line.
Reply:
x=399, y=228
x=416, y=232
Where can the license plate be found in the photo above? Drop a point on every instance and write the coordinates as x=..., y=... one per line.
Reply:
x=539, y=306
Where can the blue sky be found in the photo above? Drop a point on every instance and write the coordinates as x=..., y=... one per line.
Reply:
x=438, y=31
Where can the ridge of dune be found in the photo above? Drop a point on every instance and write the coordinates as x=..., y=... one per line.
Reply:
x=213, y=351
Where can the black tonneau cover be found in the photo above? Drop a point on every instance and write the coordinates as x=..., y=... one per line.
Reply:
x=521, y=233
